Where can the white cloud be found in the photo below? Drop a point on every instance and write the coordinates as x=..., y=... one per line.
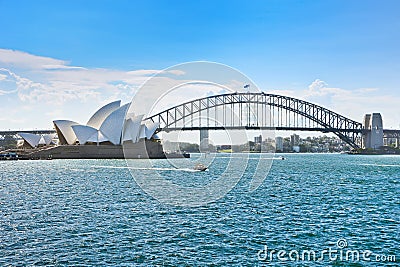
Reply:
x=25, y=60
x=43, y=84
x=176, y=72
x=142, y=72
x=62, y=67
x=50, y=81
x=317, y=88
x=154, y=72
x=8, y=82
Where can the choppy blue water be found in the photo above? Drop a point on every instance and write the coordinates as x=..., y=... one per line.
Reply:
x=92, y=213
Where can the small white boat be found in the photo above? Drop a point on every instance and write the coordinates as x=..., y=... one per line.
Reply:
x=200, y=167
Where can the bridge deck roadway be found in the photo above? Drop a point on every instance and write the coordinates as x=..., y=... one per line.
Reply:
x=27, y=131
x=325, y=130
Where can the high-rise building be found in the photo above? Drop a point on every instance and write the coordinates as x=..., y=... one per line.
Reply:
x=258, y=139
x=294, y=140
x=279, y=143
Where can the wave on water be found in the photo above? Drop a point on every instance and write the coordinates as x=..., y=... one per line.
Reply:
x=257, y=158
x=379, y=165
x=146, y=168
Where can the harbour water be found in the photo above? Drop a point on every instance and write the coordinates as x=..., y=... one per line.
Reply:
x=92, y=213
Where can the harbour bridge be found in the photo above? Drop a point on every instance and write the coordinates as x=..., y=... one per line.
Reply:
x=261, y=111
x=254, y=111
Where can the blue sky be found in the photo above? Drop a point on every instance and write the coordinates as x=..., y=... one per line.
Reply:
x=341, y=54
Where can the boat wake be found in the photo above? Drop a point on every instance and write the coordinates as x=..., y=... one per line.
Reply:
x=248, y=157
x=146, y=168
x=379, y=165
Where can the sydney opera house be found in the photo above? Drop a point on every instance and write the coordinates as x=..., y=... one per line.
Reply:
x=109, y=133
x=108, y=125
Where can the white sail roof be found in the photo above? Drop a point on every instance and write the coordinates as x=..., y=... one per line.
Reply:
x=130, y=115
x=142, y=132
x=48, y=138
x=42, y=141
x=132, y=128
x=36, y=139
x=83, y=133
x=151, y=127
x=101, y=114
x=128, y=129
x=31, y=139
x=113, y=125
x=97, y=137
x=65, y=128
x=110, y=123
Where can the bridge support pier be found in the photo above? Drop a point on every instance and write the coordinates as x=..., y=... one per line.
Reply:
x=204, y=141
x=373, y=124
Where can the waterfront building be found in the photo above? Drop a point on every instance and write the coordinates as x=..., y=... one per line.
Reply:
x=103, y=136
x=108, y=125
x=258, y=139
x=295, y=142
x=279, y=144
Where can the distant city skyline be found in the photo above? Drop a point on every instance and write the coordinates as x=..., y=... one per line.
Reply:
x=64, y=59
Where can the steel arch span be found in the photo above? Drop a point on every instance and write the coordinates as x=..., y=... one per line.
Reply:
x=258, y=111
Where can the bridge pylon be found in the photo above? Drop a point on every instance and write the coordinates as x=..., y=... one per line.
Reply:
x=204, y=140
x=373, y=135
